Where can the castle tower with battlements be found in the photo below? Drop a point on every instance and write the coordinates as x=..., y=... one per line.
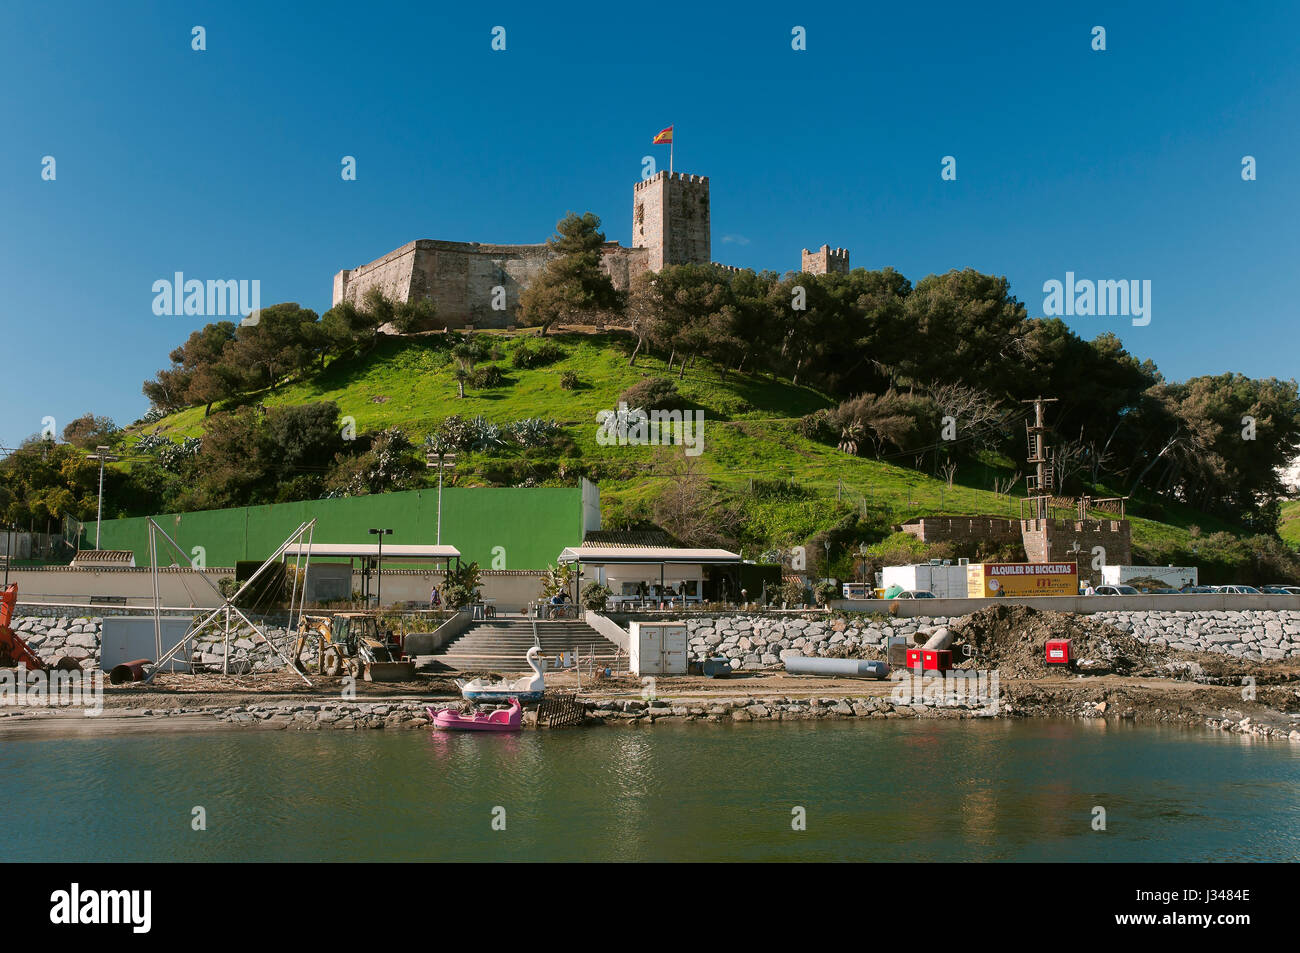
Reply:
x=826, y=260
x=670, y=219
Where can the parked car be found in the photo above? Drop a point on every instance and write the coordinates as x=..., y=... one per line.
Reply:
x=1199, y=590
x=1117, y=591
x=915, y=594
x=1282, y=590
x=1238, y=590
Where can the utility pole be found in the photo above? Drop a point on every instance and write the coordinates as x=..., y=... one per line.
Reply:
x=103, y=456
x=1039, y=458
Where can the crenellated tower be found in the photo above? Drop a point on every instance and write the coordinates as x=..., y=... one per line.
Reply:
x=825, y=260
x=670, y=219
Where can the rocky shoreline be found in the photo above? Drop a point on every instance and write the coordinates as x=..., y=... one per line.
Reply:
x=1128, y=705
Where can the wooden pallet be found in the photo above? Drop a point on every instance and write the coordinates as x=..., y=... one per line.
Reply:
x=559, y=710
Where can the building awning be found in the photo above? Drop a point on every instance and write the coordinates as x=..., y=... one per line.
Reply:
x=611, y=555
x=400, y=552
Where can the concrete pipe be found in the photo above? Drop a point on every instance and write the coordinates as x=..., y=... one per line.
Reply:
x=851, y=667
x=941, y=638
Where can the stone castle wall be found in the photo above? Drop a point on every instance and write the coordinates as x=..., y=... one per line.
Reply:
x=1052, y=541
x=671, y=225
x=1044, y=541
x=964, y=530
x=461, y=278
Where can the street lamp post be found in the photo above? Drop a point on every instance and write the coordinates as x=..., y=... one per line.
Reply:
x=379, y=566
x=103, y=456
x=9, y=550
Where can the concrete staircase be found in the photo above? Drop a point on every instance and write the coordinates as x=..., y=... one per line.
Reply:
x=500, y=645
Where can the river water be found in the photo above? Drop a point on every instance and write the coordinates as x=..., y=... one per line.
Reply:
x=877, y=790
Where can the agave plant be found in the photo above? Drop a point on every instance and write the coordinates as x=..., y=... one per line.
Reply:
x=533, y=431
x=152, y=443
x=172, y=455
x=484, y=435
x=618, y=423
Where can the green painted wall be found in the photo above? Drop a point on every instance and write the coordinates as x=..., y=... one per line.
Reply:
x=533, y=525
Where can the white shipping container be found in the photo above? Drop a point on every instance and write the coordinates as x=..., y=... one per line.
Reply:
x=657, y=648
x=1170, y=577
x=946, y=582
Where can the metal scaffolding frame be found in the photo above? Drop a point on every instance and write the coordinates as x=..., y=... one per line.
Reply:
x=296, y=602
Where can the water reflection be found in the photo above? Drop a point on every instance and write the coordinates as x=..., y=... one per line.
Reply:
x=915, y=790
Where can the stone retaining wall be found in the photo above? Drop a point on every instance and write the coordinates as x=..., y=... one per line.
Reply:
x=757, y=641
x=53, y=638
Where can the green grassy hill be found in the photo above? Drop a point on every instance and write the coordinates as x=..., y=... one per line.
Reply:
x=750, y=444
x=1288, y=524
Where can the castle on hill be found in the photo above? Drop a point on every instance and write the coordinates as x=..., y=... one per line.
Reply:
x=670, y=226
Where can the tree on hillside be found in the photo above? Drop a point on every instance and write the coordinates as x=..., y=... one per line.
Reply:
x=467, y=350
x=41, y=482
x=304, y=438
x=962, y=326
x=684, y=309
x=806, y=316
x=572, y=284
x=417, y=315
x=689, y=509
x=89, y=431
x=281, y=342
x=207, y=358
x=204, y=356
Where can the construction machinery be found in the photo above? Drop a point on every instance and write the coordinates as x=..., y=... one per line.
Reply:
x=352, y=643
x=13, y=650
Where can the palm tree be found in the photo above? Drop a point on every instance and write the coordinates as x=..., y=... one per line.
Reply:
x=852, y=436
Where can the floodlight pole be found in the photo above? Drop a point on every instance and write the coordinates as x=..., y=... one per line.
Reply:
x=444, y=461
x=102, y=456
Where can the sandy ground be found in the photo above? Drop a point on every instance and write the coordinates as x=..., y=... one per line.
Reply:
x=191, y=699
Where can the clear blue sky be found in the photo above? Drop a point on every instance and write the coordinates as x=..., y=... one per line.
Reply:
x=225, y=163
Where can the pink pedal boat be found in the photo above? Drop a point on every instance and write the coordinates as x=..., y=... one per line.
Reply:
x=503, y=719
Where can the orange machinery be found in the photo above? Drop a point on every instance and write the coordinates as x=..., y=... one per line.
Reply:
x=13, y=650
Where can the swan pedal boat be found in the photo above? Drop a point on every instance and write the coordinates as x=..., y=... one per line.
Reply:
x=527, y=689
x=503, y=719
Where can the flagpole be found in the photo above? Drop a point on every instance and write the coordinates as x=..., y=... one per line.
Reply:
x=670, y=154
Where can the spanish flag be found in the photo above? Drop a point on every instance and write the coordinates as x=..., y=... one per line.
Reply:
x=665, y=136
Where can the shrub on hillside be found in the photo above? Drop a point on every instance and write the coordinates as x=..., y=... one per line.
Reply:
x=569, y=381
x=528, y=355
x=816, y=427
x=489, y=375
x=653, y=393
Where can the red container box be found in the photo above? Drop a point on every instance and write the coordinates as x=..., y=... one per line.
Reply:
x=936, y=660
x=1058, y=652
x=929, y=660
